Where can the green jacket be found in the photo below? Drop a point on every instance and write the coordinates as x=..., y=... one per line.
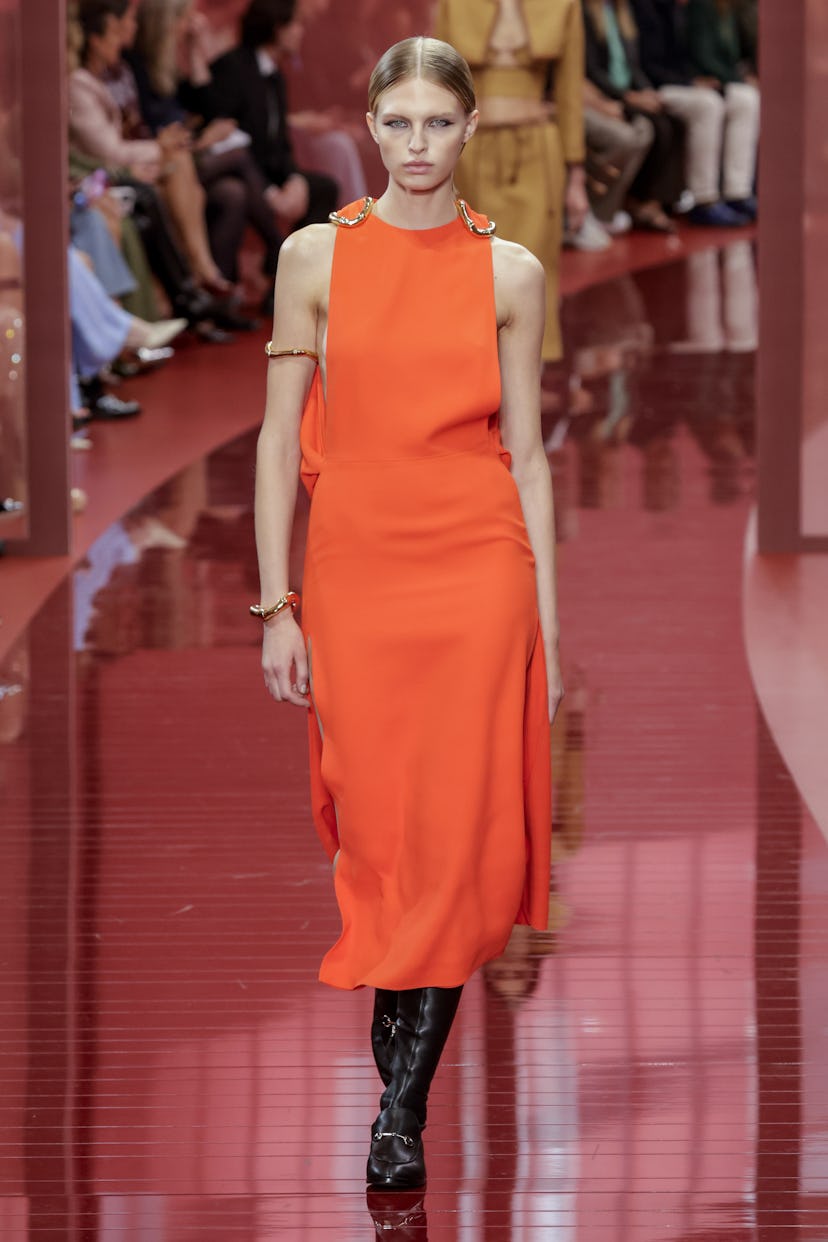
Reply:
x=713, y=41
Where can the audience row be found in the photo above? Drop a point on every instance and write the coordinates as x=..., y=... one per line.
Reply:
x=671, y=114
x=178, y=157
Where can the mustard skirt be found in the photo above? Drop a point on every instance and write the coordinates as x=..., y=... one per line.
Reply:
x=516, y=175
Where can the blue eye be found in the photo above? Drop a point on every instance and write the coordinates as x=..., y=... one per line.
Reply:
x=441, y=121
x=396, y=123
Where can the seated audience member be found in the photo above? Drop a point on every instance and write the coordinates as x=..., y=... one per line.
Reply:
x=91, y=232
x=721, y=128
x=717, y=58
x=96, y=130
x=171, y=70
x=612, y=65
x=617, y=147
x=248, y=85
x=101, y=331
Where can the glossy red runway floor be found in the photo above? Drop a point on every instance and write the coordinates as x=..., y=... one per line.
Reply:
x=651, y=1069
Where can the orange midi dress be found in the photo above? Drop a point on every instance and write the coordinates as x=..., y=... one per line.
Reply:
x=429, y=732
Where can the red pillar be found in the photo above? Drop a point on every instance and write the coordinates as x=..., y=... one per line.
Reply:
x=793, y=260
x=47, y=332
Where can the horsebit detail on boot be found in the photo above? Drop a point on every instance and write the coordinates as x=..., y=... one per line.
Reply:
x=390, y=1025
x=381, y=1134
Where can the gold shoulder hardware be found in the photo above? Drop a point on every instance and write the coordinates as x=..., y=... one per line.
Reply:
x=290, y=353
x=463, y=212
x=349, y=222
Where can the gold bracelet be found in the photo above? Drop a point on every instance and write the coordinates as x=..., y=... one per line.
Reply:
x=266, y=611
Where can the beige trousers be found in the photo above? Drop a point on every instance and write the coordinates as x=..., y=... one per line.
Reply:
x=616, y=149
x=722, y=138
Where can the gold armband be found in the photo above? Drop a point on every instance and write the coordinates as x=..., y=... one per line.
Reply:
x=266, y=611
x=290, y=353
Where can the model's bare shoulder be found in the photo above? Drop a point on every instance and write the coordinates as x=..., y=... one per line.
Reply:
x=519, y=279
x=305, y=262
x=515, y=265
x=308, y=247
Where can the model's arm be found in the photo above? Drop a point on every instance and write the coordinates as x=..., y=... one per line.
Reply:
x=520, y=288
x=284, y=659
x=569, y=103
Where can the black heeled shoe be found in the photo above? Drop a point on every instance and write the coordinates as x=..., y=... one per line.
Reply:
x=383, y=1030
x=396, y=1161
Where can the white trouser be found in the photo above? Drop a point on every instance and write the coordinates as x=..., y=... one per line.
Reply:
x=722, y=138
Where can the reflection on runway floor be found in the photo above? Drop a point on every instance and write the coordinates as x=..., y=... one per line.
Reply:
x=649, y=1068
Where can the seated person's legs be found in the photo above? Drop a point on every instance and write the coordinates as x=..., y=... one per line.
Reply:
x=616, y=149
x=741, y=145
x=703, y=112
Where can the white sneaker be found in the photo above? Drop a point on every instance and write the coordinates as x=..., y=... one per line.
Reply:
x=620, y=223
x=686, y=202
x=591, y=236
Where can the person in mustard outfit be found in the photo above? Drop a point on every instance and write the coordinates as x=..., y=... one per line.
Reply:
x=525, y=168
x=404, y=388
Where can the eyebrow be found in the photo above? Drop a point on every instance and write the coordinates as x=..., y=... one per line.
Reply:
x=434, y=116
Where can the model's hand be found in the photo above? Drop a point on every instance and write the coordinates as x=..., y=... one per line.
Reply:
x=554, y=682
x=285, y=660
x=577, y=203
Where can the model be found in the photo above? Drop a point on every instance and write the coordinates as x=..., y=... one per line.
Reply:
x=404, y=385
x=526, y=167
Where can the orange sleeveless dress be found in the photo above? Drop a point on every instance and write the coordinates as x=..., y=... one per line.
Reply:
x=429, y=733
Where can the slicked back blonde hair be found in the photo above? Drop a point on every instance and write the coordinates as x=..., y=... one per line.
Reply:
x=421, y=57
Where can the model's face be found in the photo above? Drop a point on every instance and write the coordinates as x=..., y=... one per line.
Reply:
x=420, y=129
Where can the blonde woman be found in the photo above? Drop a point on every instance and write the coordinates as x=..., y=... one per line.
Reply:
x=404, y=385
x=526, y=168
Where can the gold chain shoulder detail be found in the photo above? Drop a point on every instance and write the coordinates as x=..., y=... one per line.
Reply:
x=463, y=212
x=350, y=222
x=290, y=353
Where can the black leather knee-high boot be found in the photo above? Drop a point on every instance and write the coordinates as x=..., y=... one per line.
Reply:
x=424, y=1018
x=383, y=1031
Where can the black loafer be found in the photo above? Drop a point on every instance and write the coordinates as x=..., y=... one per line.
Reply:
x=396, y=1161
x=232, y=319
x=112, y=408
